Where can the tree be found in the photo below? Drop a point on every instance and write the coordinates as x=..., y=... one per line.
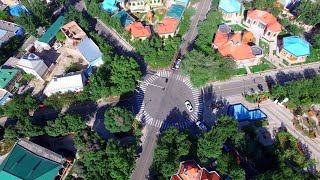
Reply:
x=60, y=36
x=10, y=47
x=74, y=15
x=211, y=143
x=186, y=21
x=64, y=125
x=27, y=128
x=308, y=12
x=294, y=29
x=59, y=101
x=20, y=106
x=228, y=166
x=264, y=4
x=118, y=119
x=171, y=147
x=315, y=41
x=4, y=15
x=275, y=11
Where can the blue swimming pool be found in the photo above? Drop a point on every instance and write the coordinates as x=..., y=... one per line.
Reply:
x=240, y=113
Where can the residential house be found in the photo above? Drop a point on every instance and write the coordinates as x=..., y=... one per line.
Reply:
x=125, y=18
x=71, y=82
x=9, y=79
x=110, y=5
x=90, y=52
x=294, y=49
x=32, y=64
x=238, y=46
x=190, y=170
x=139, y=31
x=10, y=2
x=9, y=30
x=232, y=10
x=47, y=39
x=73, y=32
x=263, y=25
x=5, y=96
x=28, y=160
x=168, y=27
x=143, y=5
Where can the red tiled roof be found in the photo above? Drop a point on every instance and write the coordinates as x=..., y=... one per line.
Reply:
x=175, y=177
x=168, y=25
x=138, y=30
x=269, y=19
x=234, y=47
x=190, y=171
x=209, y=176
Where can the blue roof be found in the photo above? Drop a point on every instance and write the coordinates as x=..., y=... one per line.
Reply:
x=183, y=1
x=240, y=113
x=15, y=10
x=4, y=98
x=296, y=46
x=176, y=11
x=109, y=6
x=230, y=6
x=125, y=18
x=89, y=50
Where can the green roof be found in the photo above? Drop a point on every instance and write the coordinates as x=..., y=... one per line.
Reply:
x=23, y=164
x=6, y=75
x=52, y=31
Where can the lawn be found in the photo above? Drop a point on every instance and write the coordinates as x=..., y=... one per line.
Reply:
x=264, y=46
x=265, y=65
x=240, y=71
x=161, y=13
x=236, y=27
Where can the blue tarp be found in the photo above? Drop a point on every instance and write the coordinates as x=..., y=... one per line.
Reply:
x=296, y=46
x=15, y=10
x=240, y=113
x=230, y=6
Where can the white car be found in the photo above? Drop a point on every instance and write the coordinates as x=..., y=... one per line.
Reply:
x=177, y=65
x=58, y=46
x=189, y=105
x=201, y=126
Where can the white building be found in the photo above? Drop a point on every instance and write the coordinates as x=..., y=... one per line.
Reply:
x=32, y=64
x=71, y=82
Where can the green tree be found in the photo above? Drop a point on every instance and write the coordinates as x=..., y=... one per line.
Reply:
x=276, y=11
x=171, y=147
x=264, y=4
x=228, y=166
x=10, y=47
x=211, y=143
x=4, y=15
x=74, y=15
x=294, y=29
x=11, y=134
x=64, y=125
x=59, y=101
x=28, y=23
x=27, y=128
x=308, y=12
x=186, y=21
x=315, y=41
x=20, y=106
x=60, y=36
x=118, y=119
x=73, y=67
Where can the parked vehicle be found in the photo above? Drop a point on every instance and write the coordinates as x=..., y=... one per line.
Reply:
x=177, y=64
x=201, y=126
x=189, y=105
x=58, y=46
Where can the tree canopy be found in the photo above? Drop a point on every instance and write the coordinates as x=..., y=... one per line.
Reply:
x=9, y=48
x=228, y=166
x=308, y=12
x=65, y=124
x=315, y=41
x=264, y=4
x=20, y=106
x=171, y=147
x=118, y=119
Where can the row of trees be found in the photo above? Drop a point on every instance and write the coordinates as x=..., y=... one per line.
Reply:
x=174, y=146
x=301, y=92
x=202, y=64
x=10, y=47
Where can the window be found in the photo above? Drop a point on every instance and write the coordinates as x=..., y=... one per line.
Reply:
x=268, y=34
x=254, y=22
x=274, y=34
x=133, y=4
x=248, y=21
x=158, y=1
x=262, y=26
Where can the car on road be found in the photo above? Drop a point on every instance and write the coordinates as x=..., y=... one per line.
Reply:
x=188, y=105
x=177, y=64
x=201, y=126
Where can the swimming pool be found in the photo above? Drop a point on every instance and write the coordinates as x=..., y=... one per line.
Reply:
x=240, y=113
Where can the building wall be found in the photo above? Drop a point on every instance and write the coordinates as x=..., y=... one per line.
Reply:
x=229, y=16
x=137, y=6
x=63, y=91
x=156, y=3
x=248, y=62
x=290, y=58
x=258, y=27
x=165, y=36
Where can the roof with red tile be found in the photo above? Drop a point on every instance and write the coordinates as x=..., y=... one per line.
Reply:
x=234, y=47
x=175, y=177
x=209, y=176
x=266, y=17
x=168, y=25
x=138, y=30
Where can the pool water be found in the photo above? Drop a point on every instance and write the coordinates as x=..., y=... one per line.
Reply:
x=240, y=113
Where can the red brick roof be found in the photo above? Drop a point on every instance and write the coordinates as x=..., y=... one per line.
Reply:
x=209, y=176
x=168, y=25
x=138, y=30
x=272, y=23
x=234, y=47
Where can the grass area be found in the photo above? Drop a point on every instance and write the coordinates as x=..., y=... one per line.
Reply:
x=265, y=65
x=161, y=13
x=285, y=62
x=236, y=27
x=240, y=71
x=5, y=147
x=242, y=23
x=257, y=97
x=264, y=46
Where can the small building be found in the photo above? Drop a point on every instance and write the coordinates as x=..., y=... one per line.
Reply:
x=139, y=31
x=9, y=79
x=47, y=39
x=238, y=46
x=90, y=52
x=71, y=82
x=5, y=96
x=9, y=30
x=168, y=27
x=32, y=64
x=124, y=17
x=191, y=170
x=263, y=24
x=143, y=5
x=232, y=10
x=73, y=32
x=294, y=49
x=28, y=160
